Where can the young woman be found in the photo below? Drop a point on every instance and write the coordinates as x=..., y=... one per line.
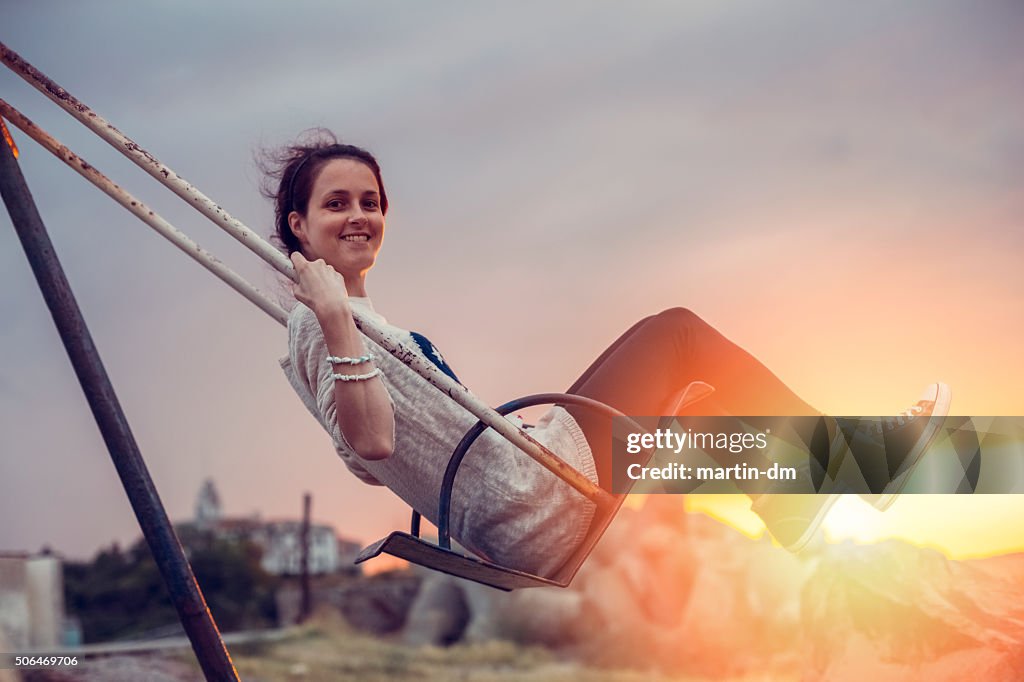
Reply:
x=392, y=428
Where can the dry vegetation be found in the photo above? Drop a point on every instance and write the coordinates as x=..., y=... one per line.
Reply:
x=328, y=650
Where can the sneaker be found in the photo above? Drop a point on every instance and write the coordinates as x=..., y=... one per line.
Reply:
x=792, y=511
x=793, y=519
x=897, y=443
x=894, y=444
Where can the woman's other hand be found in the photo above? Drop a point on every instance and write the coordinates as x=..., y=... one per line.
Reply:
x=320, y=286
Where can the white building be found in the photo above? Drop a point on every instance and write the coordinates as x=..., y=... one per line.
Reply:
x=279, y=540
x=31, y=601
x=282, y=549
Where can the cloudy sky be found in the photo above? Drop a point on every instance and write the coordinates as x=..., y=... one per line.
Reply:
x=836, y=186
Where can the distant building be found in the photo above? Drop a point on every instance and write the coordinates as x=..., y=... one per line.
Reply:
x=208, y=511
x=279, y=540
x=32, y=602
x=283, y=552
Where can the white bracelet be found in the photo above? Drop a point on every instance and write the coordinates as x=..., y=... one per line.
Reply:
x=357, y=377
x=335, y=360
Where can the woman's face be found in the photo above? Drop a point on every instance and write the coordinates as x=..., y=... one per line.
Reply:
x=343, y=222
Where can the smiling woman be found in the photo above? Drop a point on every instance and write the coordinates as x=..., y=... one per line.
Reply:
x=387, y=423
x=391, y=427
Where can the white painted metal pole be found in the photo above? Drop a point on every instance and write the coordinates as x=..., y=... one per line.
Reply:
x=143, y=213
x=145, y=160
x=276, y=259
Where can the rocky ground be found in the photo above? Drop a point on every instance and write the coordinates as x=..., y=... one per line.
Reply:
x=666, y=596
x=687, y=595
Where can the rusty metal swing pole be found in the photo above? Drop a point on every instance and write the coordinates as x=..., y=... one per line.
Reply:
x=278, y=261
x=156, y=527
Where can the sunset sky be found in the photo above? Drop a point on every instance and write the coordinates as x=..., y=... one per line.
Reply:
x=835, y=186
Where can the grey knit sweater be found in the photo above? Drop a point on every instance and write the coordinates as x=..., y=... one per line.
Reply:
x=505, y=507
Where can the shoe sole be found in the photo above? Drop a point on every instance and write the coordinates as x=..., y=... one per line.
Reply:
x=892, y=491
x=815, y=524
x=812, y=526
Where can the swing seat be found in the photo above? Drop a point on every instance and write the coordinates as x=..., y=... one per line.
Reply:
x=416, y=550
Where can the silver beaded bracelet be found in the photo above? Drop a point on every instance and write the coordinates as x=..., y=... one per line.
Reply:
x=335, y=360
x=357, y=377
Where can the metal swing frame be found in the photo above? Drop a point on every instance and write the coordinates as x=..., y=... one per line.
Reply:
x=405, y=545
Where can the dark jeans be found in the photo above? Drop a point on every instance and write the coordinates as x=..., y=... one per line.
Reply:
x=655, y=359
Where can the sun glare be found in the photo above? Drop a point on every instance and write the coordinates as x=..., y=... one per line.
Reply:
x=851, y=518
